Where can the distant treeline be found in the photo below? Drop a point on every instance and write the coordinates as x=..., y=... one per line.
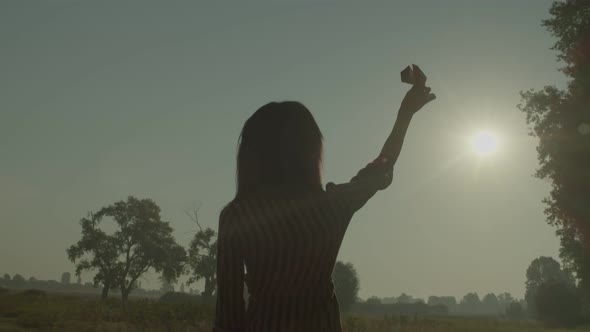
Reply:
x=470, y=304
x=64, y=285
x=418, y=308
x=490, y=305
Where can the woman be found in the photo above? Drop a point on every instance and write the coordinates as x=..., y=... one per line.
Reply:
x=284, y=227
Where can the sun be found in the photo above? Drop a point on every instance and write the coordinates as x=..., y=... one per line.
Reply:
x=484, y=143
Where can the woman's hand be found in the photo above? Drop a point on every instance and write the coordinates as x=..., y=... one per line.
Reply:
x=416, y=98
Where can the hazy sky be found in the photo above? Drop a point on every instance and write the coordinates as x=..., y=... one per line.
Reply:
x=104, y=99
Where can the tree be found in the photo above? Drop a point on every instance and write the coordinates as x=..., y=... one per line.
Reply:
x=560, y=119
x=470, y=303
x=389, y=300
x=373, y=301
x=449, y=301
x=541, y=270
x=66, y=278
x=346, y=284
x=490, y=303
x=7, y=277
x=505, y=299
x=18, y=280
x=557, y=304
x=514, y=310
x=142, y=241
x=79, y=280
x=404, y=298
x=202, y=256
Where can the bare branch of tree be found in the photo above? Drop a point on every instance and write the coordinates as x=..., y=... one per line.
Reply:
x=194, y=216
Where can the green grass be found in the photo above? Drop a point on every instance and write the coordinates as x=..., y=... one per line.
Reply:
x=356, y=323
x=37, y=311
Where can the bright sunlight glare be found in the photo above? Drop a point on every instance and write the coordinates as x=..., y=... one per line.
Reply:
x=484, y=143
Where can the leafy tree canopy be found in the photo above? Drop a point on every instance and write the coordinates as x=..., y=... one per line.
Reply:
x=141, y=241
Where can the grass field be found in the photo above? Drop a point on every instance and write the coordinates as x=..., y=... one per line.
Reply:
x=36, y=311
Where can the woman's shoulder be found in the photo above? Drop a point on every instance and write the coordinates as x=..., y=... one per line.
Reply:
x=229, y=219
x=229, y=212
x=239, y=209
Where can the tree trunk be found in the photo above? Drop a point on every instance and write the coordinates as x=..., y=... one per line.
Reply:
x=125, y=297
x=105, y=291
x=208, y=292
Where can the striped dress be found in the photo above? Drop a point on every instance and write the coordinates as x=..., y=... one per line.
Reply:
x=285, y=249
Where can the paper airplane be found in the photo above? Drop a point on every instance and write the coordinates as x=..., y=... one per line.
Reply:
x=413, y=75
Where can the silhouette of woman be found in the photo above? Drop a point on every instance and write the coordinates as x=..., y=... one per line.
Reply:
x=284, y=227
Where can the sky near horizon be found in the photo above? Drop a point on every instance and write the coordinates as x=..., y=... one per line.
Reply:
x=105, y=99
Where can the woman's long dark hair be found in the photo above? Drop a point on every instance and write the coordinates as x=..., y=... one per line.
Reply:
x=280, y=152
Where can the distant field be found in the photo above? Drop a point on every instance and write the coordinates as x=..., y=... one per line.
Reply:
x=36, y=311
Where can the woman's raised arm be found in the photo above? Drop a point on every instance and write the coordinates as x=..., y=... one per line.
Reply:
x=415, y=99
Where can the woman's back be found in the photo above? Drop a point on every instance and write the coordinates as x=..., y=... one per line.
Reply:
x=295, y=239
x=289, y=246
